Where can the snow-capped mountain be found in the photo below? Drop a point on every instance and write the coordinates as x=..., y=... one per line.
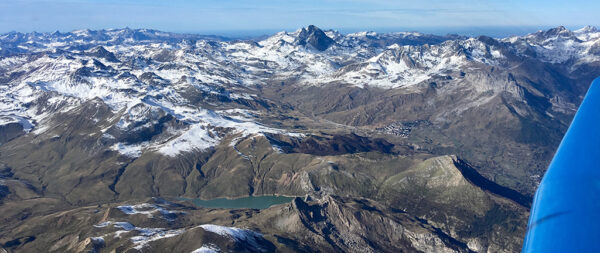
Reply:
x=135, y=71
x=16, y=42
x=559, y=45
x=412, y=121
x=143, y=75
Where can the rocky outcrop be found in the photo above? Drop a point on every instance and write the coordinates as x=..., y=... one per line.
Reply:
x=453, y=197
x=365, y=226
x=315, y=37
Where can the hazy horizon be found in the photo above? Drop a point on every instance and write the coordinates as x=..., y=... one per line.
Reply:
x=254, y=18
x=493, y=31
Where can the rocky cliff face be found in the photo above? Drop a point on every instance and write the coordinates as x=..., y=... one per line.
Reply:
x=406, y=141
x=327, y=224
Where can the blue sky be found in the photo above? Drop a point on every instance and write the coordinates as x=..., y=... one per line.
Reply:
x=230, y=17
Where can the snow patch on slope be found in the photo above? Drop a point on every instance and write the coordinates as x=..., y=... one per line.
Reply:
x=207, y=249
x=147, y=209
x=134, y=150
x=237, y=234
x=144, y=235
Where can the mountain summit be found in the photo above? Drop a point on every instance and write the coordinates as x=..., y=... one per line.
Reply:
x=315, y=37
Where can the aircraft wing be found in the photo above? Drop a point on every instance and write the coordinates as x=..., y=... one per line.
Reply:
x=565, y=216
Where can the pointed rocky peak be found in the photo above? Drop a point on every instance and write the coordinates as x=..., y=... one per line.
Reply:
x=101, y=52
x=550, y=36
x=560, y=31
x=315, y=37
x=587, y=29
x=588, y=33
x=488, y=40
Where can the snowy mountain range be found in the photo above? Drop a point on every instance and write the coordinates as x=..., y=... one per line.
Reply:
x=145, y=75
x=453, y=130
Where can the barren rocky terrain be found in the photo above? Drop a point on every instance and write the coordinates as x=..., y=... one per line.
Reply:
x=398, y=142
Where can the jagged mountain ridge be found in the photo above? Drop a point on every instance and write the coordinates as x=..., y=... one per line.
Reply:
x=347, y=60
x=231, y=71
x=308, y=112
x=16, y=42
